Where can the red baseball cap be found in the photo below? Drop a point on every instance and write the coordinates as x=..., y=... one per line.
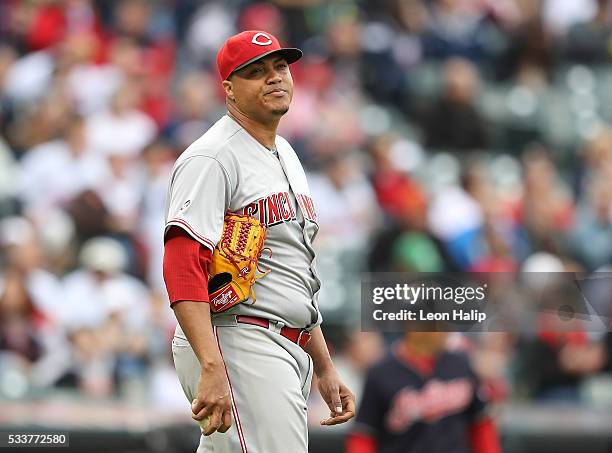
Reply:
x=244, y=48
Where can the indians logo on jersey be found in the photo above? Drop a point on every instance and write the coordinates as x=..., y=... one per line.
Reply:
x=436, y=400
x=277, y=208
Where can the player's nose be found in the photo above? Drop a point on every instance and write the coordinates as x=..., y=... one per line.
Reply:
x=274, y=77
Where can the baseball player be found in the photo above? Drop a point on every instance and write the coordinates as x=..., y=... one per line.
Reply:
x=423, y=398
x=247, y=369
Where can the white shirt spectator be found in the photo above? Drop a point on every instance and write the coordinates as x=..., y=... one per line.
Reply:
x=210, y=26
x=348, y=214
x=51, y=175
x=29, y=78
x=561, y=15
x=92, y=86
x=126, y=133
x=89, y=301
x=454, y=212
x=152, y=226
x=100, y=288
x=121, y=189
x=45, y=290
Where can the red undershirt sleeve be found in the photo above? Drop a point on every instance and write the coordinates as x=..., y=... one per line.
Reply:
x=185, y=267
x=484, y=438
x=360, y=443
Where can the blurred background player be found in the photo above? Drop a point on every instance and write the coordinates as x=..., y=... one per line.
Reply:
x=423, y=397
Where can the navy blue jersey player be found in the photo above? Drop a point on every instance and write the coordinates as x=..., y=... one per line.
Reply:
x=423, y=398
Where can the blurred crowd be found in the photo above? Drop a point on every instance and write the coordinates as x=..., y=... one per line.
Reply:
x=438, y=135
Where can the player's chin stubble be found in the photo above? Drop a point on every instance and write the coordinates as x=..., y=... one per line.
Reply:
x=280, y=112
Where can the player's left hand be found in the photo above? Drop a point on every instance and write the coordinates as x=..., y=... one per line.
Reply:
x=339, y=399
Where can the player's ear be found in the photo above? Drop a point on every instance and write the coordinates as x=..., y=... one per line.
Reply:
x=229, y=89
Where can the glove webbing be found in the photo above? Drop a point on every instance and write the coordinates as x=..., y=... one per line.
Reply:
x=233, y=256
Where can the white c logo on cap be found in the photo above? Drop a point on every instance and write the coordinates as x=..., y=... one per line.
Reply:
x=256, y=36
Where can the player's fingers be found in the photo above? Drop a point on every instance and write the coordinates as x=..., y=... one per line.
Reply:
x=202, y=413
x=348, y=412
x=344, y=417
x=200, y=405
x=332, y=414
x=338, y=419
x=329, y=421
x=196, y=406
x=226, y=421
x=348, y=403
x=225, y=404
x=333, y=401
x=213, y=424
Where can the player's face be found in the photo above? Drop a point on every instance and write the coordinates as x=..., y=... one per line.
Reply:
x=429, y=342
x=262, y=90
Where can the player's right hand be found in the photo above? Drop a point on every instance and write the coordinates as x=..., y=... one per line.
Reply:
x=213, y=400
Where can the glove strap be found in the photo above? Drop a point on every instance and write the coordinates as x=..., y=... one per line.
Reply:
x=224, y=298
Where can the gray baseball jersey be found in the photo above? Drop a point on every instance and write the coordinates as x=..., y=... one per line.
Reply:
x=228, y=170
x=269, y=376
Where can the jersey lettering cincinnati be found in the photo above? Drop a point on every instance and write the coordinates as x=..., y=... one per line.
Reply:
x=277, y=208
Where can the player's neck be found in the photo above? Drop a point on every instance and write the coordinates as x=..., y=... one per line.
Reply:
x=264, y=133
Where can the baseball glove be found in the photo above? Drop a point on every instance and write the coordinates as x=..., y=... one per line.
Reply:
x=234, y=269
